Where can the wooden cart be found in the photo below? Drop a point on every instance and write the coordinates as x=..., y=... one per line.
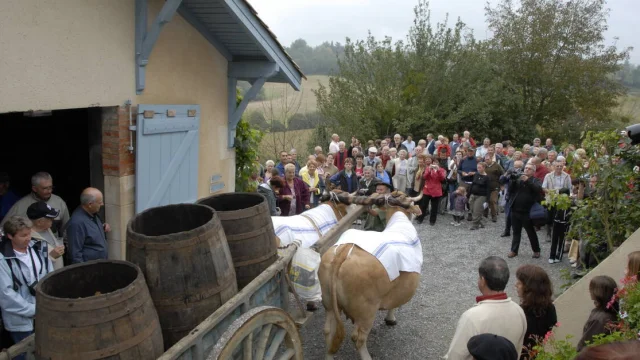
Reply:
x=257, y=323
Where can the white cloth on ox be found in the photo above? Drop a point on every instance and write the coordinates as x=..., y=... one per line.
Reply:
x=398, y=247
x=290, y=228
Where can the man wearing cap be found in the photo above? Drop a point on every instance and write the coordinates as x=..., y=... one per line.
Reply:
x=41, y=190
x=491, y=347
x=372, y=160
x=377, y=219
x=42, y=215
x=86, y=232
x=7, y=196
x=494, y=312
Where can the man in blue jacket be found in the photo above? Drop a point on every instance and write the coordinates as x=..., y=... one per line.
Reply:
x=85, y=230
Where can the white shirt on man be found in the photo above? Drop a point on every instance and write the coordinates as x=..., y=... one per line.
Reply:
x=500, y=317
x=334, y=147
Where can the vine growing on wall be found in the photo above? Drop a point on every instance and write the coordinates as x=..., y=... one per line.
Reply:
x=246, y=147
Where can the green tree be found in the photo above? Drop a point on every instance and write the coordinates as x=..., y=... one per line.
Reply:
x=552, y=55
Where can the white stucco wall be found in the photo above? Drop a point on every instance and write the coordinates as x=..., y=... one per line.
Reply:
x=60, y=54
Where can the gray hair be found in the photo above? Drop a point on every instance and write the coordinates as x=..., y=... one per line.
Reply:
x=542, y=151
x=342, y=143
x=368, y=168
x=293, y=151
x=87, y=198
x=402, y=151
x=495, y=272
x=290, y=166
x=269, y=162
x=39, y=176
x=15, y=224
x=551, y=152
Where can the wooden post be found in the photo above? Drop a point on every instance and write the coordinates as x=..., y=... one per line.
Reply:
x=331, y=237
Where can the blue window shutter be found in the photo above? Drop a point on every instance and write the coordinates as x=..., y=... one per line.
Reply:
x=167, y=144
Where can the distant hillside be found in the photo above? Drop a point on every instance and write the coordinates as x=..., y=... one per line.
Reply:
x=282, y=98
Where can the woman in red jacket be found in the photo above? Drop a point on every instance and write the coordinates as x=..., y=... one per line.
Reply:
x=433, y=177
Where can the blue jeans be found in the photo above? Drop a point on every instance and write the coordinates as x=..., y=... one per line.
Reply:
x=18, y=336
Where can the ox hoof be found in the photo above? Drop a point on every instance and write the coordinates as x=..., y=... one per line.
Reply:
x=311, y=306
x=390, y=322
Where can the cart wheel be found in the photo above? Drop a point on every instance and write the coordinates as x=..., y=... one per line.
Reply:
x=262, y=333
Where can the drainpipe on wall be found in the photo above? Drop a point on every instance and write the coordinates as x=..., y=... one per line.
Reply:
x=132, y=127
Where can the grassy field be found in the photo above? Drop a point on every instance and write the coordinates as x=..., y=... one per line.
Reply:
x=273, y=143
x=630, y=106
x=283, y=100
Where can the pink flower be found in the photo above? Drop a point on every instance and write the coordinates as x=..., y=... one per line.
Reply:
x=557, y=324
x=547, y=336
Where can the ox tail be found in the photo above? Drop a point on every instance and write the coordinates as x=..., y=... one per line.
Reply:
x=340, y=257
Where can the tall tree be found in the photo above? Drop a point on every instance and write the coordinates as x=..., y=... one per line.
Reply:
x=552, y=55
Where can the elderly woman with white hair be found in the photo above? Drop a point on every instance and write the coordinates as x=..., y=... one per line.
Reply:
x=269, y=165
x=294, y=195
x=400, y=171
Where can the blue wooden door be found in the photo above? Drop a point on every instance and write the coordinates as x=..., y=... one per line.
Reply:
x=167, y=155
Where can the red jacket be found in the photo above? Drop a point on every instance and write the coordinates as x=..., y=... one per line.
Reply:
x=433, y=182
x=541, y=172
x=338, y=159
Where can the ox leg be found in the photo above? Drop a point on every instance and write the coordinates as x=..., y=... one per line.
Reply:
x=329, y=333
x=359, y=337
x=390, y=319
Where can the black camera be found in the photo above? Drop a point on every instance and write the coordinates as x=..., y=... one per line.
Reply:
x=516, y=174
x=633, y=132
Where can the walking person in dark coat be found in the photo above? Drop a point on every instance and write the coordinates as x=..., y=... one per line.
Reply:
x=526, y=191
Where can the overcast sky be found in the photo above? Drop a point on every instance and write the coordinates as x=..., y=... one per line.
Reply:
x=325, y=20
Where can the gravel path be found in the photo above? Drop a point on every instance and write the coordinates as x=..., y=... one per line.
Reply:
x=447, y=288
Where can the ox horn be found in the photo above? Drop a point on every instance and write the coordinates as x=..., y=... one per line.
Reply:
x=417, y=198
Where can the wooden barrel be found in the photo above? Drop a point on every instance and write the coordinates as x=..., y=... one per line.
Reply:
x=96, y=310
x=184, y=256
x=247, y=224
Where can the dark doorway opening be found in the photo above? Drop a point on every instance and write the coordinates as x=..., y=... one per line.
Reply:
x=65, y=143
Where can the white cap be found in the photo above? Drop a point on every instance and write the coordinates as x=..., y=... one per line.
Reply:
x=373, y=149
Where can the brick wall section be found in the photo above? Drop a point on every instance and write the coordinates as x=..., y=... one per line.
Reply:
x=117, y=160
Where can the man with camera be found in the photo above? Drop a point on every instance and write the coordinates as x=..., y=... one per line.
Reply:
x=514, y=173
x=525, y=190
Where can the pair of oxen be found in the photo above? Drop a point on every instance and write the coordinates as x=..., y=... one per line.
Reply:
x=354, y=281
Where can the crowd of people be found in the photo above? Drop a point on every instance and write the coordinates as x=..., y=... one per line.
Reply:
x=497, y=328
x=476, y=182
x=473, y=181
x=36, y=231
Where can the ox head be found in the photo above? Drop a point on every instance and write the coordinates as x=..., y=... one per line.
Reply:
x=338, y=200
x=391, y=203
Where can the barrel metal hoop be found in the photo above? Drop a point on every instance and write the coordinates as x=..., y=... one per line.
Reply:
x=102, y=353
x=243, y=213
x=99, y=302
x=250, y=234
x=238, y=264
x=90, y=321
x=166, y=245
x=226, y=282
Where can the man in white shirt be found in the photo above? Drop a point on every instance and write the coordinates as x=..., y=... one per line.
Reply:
x=482, y=150
x=333, y=146
x=494, y=313
x=409, y=144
